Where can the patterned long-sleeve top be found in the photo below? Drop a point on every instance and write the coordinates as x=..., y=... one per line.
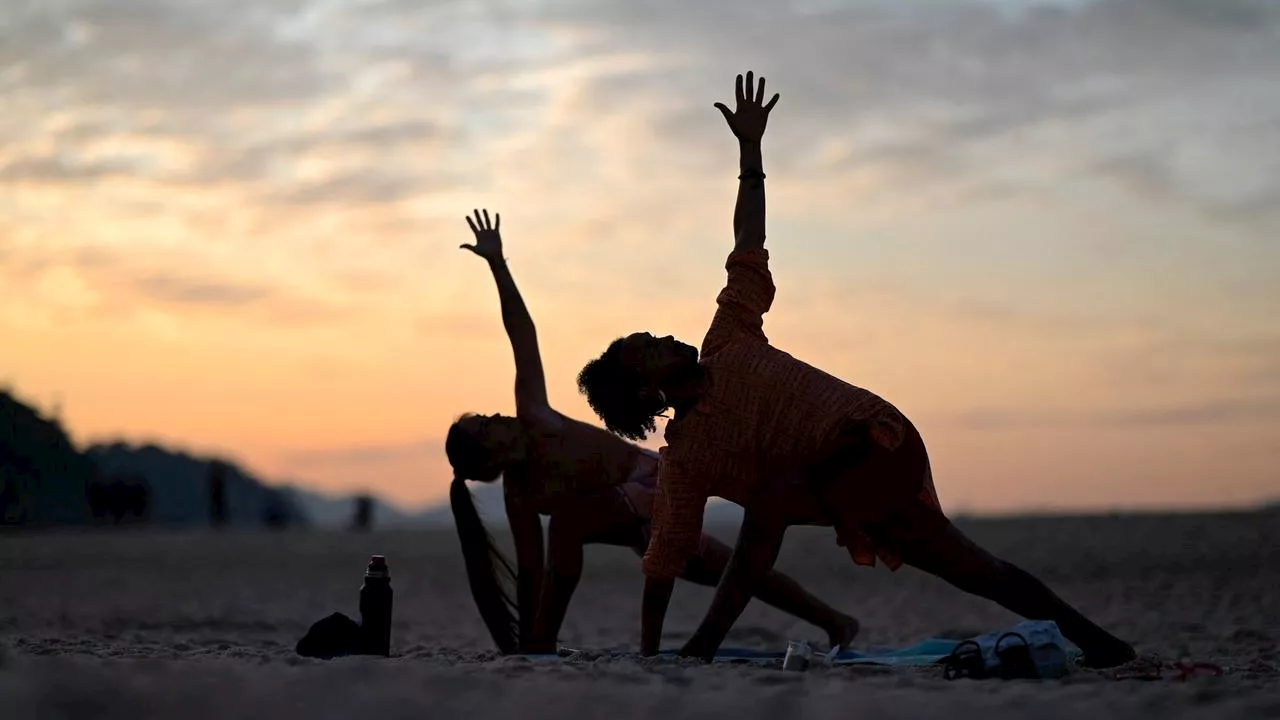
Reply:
x=765, y=414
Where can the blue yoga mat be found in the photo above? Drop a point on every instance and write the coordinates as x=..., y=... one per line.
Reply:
x=921, y=654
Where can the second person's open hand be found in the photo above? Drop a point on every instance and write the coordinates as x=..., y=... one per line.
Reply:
x=488, y=243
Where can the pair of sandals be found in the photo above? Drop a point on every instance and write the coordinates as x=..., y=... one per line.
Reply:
x=967, y=661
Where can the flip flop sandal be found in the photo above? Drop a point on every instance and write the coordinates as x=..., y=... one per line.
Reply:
x=965, y=661
x=1015, y=660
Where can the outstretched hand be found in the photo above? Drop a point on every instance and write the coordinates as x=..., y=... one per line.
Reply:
x=488, y=243
x=748, y=120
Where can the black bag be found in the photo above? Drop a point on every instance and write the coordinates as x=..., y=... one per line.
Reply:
x=334, y=636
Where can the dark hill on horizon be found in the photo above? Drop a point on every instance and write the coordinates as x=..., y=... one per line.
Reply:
x=179, y=485
x=45, y=480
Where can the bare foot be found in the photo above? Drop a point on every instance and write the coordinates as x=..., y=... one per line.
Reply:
x=844, y=632
x=1109, y=655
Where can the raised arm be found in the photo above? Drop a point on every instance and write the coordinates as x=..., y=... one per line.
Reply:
x=748, y=121
x=531, y=383
x=748, y=292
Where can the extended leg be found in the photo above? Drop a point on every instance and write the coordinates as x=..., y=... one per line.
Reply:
x=564, y=570
x=952, y=556
x=570, y=528
x=777, y=590
x=878, y=491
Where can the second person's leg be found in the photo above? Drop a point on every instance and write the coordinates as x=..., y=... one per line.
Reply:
x=776, y=590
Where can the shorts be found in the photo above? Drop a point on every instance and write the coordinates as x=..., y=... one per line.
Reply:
x=889, y=498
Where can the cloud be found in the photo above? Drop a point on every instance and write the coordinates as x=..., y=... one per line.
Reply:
x=101, y=282
x=343, y=106
x=370, y=186
x=364, y=457
x=972, y=96
x=385, y=134
x=368, y=151
x=272, y=97
x=928, y=89
x=58, y=168
x=1154, y=174
x=1168, y=361
x=1183, y=415
x=460, y=324
x=1204, y=413
x=91, y=257
x=194, y=291
x=1011, y=317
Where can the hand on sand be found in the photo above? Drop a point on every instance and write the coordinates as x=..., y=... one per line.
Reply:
x=748, y=120
x=1109, y=653
x=538, y=648
x=488, y=241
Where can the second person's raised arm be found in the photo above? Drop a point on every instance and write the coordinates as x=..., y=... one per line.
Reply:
x=531, y=382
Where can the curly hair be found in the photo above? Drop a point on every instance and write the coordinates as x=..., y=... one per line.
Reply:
x=615, y=391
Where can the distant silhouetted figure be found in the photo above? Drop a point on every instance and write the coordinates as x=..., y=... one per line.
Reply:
x=97, y=496
x=120, y=499
x=217, y=494
x=9, y=500
x=138, y=499
x=274, y=515
x=363, y=519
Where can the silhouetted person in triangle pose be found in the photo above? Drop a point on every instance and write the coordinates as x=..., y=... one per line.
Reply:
x=791, y=444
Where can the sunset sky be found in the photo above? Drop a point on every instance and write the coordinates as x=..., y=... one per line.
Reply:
x=1049, y=232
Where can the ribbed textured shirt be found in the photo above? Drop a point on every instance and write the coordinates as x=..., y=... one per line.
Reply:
x=764, y=414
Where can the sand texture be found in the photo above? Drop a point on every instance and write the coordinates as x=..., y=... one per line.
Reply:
x=136, y=624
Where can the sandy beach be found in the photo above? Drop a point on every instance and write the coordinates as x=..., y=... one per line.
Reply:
x=137, y=624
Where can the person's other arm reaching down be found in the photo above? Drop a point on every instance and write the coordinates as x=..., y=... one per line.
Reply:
x=678, y=506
